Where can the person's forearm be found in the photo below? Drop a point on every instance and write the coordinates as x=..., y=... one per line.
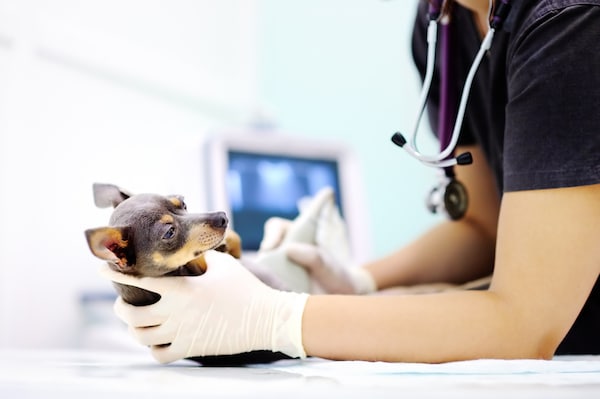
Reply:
x=453, y=252
x=425, y=328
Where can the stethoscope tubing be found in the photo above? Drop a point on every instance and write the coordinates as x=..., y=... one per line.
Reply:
x=441, y=159
x=444, y=158
x=450, y=196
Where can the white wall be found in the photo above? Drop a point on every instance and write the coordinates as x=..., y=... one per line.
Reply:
x=122, y=90
x=110, y=91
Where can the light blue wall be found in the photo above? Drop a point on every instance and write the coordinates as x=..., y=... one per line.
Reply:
x=343, y=69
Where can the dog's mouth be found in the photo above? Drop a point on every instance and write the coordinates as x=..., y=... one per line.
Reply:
x=221, y=247
x=189, y=260
x=197, y=266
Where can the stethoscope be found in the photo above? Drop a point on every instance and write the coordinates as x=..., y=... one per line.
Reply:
x=449, y=196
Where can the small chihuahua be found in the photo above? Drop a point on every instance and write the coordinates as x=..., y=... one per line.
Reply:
x=152, y=235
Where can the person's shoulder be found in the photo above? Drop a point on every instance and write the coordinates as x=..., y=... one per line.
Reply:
x=526, y=13
x=535, y=22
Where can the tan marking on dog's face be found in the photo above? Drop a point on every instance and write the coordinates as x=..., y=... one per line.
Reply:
x=175, y=201
x=167, y=219
x=200, y=239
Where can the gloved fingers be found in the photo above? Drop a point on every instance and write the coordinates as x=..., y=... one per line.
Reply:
x=275, y=229
x=223, y=272
x=158, y=285
x=332, y=233
x=315, y=204
x=265, y=275
x=110, y=274
x=330, y=224
x=150, y=336
x=219, y=262
x=165, y=353
x=213, y=258
x=324, y=270
x=140, y=316
x=178, y=348
x=306, y=255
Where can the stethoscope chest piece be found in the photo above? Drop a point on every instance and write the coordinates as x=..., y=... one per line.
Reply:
x=448, y=197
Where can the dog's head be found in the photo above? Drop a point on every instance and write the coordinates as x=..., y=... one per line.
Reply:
x=152, y=235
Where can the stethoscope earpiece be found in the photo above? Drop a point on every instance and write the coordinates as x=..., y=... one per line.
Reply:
x=398, y=139
x=462, y=159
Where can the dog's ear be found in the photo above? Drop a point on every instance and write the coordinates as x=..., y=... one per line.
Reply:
x=106, y=195
x=111, y=244
x=177, y=201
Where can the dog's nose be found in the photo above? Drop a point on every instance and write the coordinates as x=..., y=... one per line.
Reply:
x=218, y=220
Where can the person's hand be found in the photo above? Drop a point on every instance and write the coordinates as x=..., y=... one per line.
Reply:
x=313, y=211
x=274, y=231
x=328, y=273
x=327, y=256
x=225, y=311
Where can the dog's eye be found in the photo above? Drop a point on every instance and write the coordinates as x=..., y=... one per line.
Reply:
x=169, y=234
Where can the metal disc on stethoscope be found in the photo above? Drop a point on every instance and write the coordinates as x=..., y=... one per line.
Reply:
x=456, y=199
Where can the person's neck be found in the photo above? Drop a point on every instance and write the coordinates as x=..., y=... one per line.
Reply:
x=482, y=22
x=480, y=10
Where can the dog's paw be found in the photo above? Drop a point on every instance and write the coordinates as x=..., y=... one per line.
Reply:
x=232, y=244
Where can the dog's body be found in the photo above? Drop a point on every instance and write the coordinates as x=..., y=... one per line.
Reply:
x=151, y=236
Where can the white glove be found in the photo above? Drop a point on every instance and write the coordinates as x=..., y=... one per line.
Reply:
x=225, y=311
x=327, y=257
x=328, y=273
x=302, y=229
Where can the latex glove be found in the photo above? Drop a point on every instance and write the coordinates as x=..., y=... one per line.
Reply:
x=319, y=213
x=302, y=229
x=328, y=273
x=327, y=257
x=274, y=230
x=225, y=311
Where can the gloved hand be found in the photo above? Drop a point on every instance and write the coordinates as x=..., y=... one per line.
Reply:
x=301, y=229
x=225, y=311
x=328, y=273
x=327, y=258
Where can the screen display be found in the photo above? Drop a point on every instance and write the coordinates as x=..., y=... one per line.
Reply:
x=260, y=186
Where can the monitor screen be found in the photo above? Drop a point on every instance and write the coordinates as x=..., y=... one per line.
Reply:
x=254, y=176
x=260, y=186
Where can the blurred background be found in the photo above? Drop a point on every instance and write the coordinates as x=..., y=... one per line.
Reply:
x=123, y=91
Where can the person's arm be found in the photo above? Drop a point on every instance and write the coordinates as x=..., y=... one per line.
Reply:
x=454, y=251
x=547, y=261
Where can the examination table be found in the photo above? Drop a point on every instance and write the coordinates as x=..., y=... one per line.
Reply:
x=92, y=374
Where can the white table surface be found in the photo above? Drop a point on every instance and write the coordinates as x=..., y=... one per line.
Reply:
x=91, y=374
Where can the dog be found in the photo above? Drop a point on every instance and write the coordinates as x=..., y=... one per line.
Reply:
x=151, y=235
